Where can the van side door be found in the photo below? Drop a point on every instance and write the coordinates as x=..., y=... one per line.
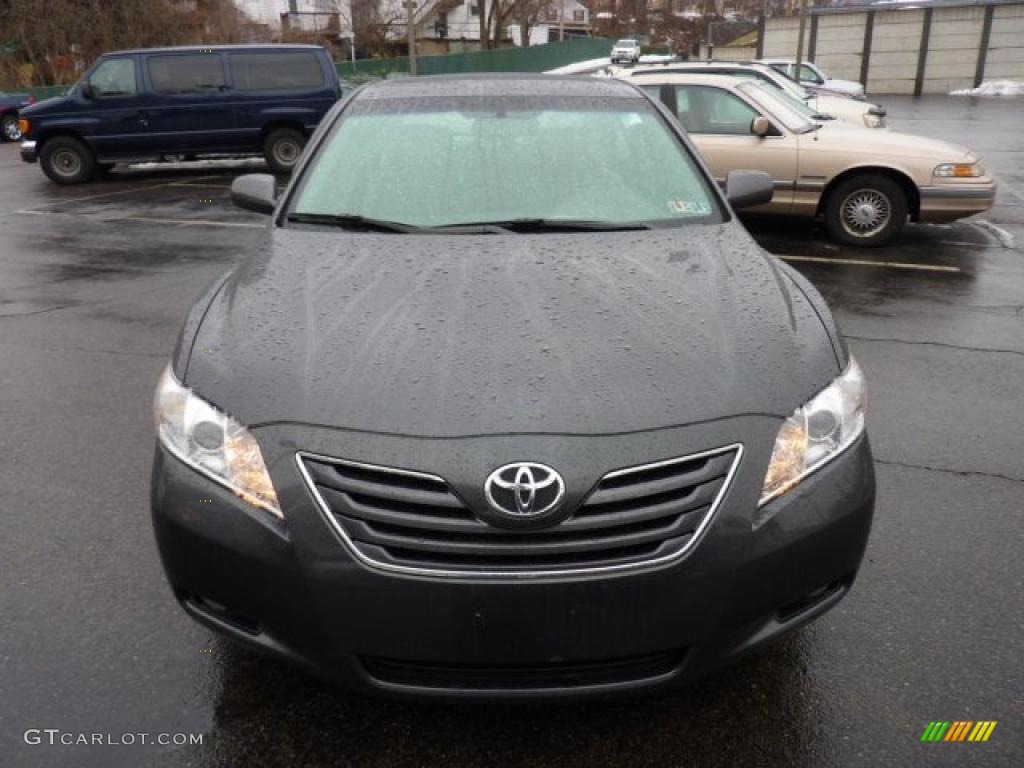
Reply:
x=188, y=104
x=279, y=87
x=114, y=121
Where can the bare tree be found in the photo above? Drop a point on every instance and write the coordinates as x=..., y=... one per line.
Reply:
x=54, y=40
x=371, y=21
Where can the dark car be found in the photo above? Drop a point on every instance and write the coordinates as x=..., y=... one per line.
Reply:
x=184, y=103
x=10, y=103
x=515, y=408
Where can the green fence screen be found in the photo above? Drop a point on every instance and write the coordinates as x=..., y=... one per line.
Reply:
x=41, y=92
x=536, y=58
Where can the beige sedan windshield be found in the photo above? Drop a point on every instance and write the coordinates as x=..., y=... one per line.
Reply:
x=777, y=106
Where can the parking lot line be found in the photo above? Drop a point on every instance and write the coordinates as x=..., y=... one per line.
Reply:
x=202, y=222
x=130, y=190
x=191, y=184
x=867, y=263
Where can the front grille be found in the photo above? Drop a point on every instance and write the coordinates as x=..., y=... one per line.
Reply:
x=523, y=677
x=410, y=520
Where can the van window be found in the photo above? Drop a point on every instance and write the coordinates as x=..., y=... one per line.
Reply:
x=198, y=73
x=114, y=78
x=276, y=71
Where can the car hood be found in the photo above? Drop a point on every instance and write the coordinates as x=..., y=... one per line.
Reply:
x=54, y=103
x=446, y=335
x=847, y=86
x=838, y=105
x=868, y=141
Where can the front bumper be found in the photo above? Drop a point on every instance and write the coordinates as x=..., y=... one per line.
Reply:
x=948, y=202
x=296, y=592
x=29, y=154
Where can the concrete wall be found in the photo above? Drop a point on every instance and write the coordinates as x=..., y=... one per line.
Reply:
x=951, y=58
x=781, y=35
x=953, y=49
x=1005, y=60
x=894, y=43
x=738, y=53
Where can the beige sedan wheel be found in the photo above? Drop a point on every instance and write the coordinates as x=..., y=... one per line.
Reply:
x=866, y=210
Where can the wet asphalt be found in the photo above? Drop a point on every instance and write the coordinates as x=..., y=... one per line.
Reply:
x=94, y=283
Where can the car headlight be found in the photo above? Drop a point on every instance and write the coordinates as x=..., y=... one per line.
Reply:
x=959, y=170
x=874, y=121
x=212, y=443
x=817, y=432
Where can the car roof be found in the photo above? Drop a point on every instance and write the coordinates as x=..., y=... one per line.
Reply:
x=692, y=78
x=698, y=66
x=497, y=84
x=207, y=48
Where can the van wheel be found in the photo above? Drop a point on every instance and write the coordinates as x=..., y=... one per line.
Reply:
x=867, y=210
x=9, y=130
x=66, y=160
x=283, y=148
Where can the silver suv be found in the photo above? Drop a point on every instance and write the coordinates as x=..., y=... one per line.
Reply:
x=626, y=50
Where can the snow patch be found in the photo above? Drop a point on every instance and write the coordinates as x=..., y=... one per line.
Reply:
x=1005, y=238
x=993, y=88
x=656, y=58
x=223, y=163
x=589, y=67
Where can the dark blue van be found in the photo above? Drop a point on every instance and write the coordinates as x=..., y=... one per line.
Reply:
x=183, y=103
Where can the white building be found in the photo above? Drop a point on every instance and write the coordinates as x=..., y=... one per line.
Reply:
x=444, y=21
x=307, y=15
x=558, y=20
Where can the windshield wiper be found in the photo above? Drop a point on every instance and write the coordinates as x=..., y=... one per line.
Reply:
x=526, y=225
x=522, y=225
x=352, y=221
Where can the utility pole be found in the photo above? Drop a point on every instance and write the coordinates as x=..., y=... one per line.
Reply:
x=800, y=39
x=410, y=6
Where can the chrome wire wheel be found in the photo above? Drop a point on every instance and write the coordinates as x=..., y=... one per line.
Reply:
x=865, y=212
x=10, y=128
x=67, y=162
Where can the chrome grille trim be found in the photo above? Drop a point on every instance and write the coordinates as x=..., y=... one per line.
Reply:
x=517, y=575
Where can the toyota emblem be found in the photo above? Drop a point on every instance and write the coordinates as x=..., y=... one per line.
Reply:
x=524, y=489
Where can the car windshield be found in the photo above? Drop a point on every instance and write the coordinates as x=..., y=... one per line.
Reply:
x=780, y=106
x=787, y=83
x=625, y=43
x=484, y=160
x=797, y=104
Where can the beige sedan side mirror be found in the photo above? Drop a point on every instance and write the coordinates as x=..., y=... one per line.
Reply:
x=760, y=126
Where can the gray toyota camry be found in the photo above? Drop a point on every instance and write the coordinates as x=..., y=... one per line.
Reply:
x=507, y=404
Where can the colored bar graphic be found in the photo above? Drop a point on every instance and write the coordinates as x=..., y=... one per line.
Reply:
x=958, y=730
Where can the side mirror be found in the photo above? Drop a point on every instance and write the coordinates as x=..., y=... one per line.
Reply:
x=254, y=192
x=86, y=90
x=760, y=126
x=744, y=189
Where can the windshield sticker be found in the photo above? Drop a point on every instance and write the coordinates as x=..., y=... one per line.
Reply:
x=689, y=207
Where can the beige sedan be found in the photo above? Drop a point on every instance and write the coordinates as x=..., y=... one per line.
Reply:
x=865, y=183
